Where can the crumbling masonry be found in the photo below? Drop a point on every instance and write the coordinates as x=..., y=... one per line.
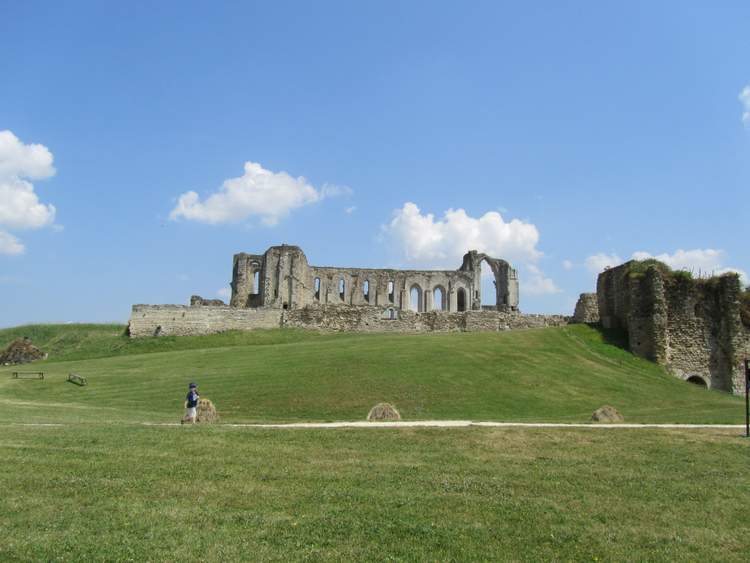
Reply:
x=280, y=288
x=693, y=327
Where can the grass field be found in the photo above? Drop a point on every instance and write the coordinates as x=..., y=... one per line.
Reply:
x=101, y=486
x=556, y=374
x=222, y=494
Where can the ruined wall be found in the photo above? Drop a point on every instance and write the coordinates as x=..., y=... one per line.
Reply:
x=282, y=278
x=375, y=319
x=587, y=309
x=691, y=326
x=180, y=320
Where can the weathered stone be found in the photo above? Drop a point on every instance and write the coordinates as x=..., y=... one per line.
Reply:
x=198, y=301
x=587, y=309
x=692, y=326
x=281, y=278
x=607, y=414
x=279, y=288
x=21, y=351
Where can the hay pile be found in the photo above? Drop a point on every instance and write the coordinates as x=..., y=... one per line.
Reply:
x=20, y=351
x=206, y=411
x=607, y=414
x=383, y=411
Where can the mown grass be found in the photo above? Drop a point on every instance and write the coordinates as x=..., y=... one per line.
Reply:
x=556, y=374
x=84, y=493
x=87, y=341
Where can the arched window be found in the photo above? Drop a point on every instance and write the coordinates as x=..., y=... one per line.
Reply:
x=415, y=298
x=390, y=291
x=437, y=299
x=697, y=380
x=342, y=288
x=256, y=282
x=366, y=290
x=461, y=299
x=316, y=288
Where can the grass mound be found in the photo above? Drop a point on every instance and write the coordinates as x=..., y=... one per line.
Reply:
x=383, y=411
x=555, y=374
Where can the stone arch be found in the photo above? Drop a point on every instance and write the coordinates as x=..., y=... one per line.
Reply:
x=697, y=380
x=460, y=299
x=416, y=298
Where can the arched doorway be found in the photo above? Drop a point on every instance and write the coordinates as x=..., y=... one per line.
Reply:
x=461, y=299
x=697, y=380
x=415, y=298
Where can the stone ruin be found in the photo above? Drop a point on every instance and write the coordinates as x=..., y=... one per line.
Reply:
x=694, y=327
x=279, y=288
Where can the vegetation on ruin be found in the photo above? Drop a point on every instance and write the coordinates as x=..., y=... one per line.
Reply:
x=102, y=493
x=556, y=374
x=745, y=307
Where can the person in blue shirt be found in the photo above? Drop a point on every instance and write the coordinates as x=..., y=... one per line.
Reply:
x=191, y=404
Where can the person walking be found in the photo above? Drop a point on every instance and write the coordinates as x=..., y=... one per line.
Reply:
x=191, y=404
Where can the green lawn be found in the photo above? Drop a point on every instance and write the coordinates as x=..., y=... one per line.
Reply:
x=555, y=374
x=100, y=486
x=84, y=493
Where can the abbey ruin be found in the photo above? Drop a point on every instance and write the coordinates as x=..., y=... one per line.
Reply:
x=694, y=328
x=279, y=288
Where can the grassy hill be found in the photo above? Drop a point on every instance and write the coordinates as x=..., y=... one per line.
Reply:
x=108, y=488
x=555, y=374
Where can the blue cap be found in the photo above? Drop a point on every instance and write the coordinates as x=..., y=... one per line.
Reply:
x=192, y=385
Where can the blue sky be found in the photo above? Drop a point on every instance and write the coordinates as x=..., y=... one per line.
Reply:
x=571, y=136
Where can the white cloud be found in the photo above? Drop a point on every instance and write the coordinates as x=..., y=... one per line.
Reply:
x=744, y=98
x=257, y=193
x=224, y=292
x=567, y=265
x=350, y=210
x=20, y=207
x=537, y=283
x=699, y=261
x=10, y=245
x=598, y=262
x=423, y=240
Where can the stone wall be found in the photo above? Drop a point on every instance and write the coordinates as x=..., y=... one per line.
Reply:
x=376, y=319
x=587, y=309
x=163, y=320
x=691, y=326
x=180, y=320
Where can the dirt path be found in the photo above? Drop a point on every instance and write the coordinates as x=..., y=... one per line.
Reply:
x=411, y=424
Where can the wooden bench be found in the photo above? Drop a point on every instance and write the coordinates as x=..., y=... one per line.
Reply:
x=77, y=379
x=27, y=375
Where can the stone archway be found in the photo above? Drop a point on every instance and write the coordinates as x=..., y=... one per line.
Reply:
x=697, y=380
x=461, y=299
